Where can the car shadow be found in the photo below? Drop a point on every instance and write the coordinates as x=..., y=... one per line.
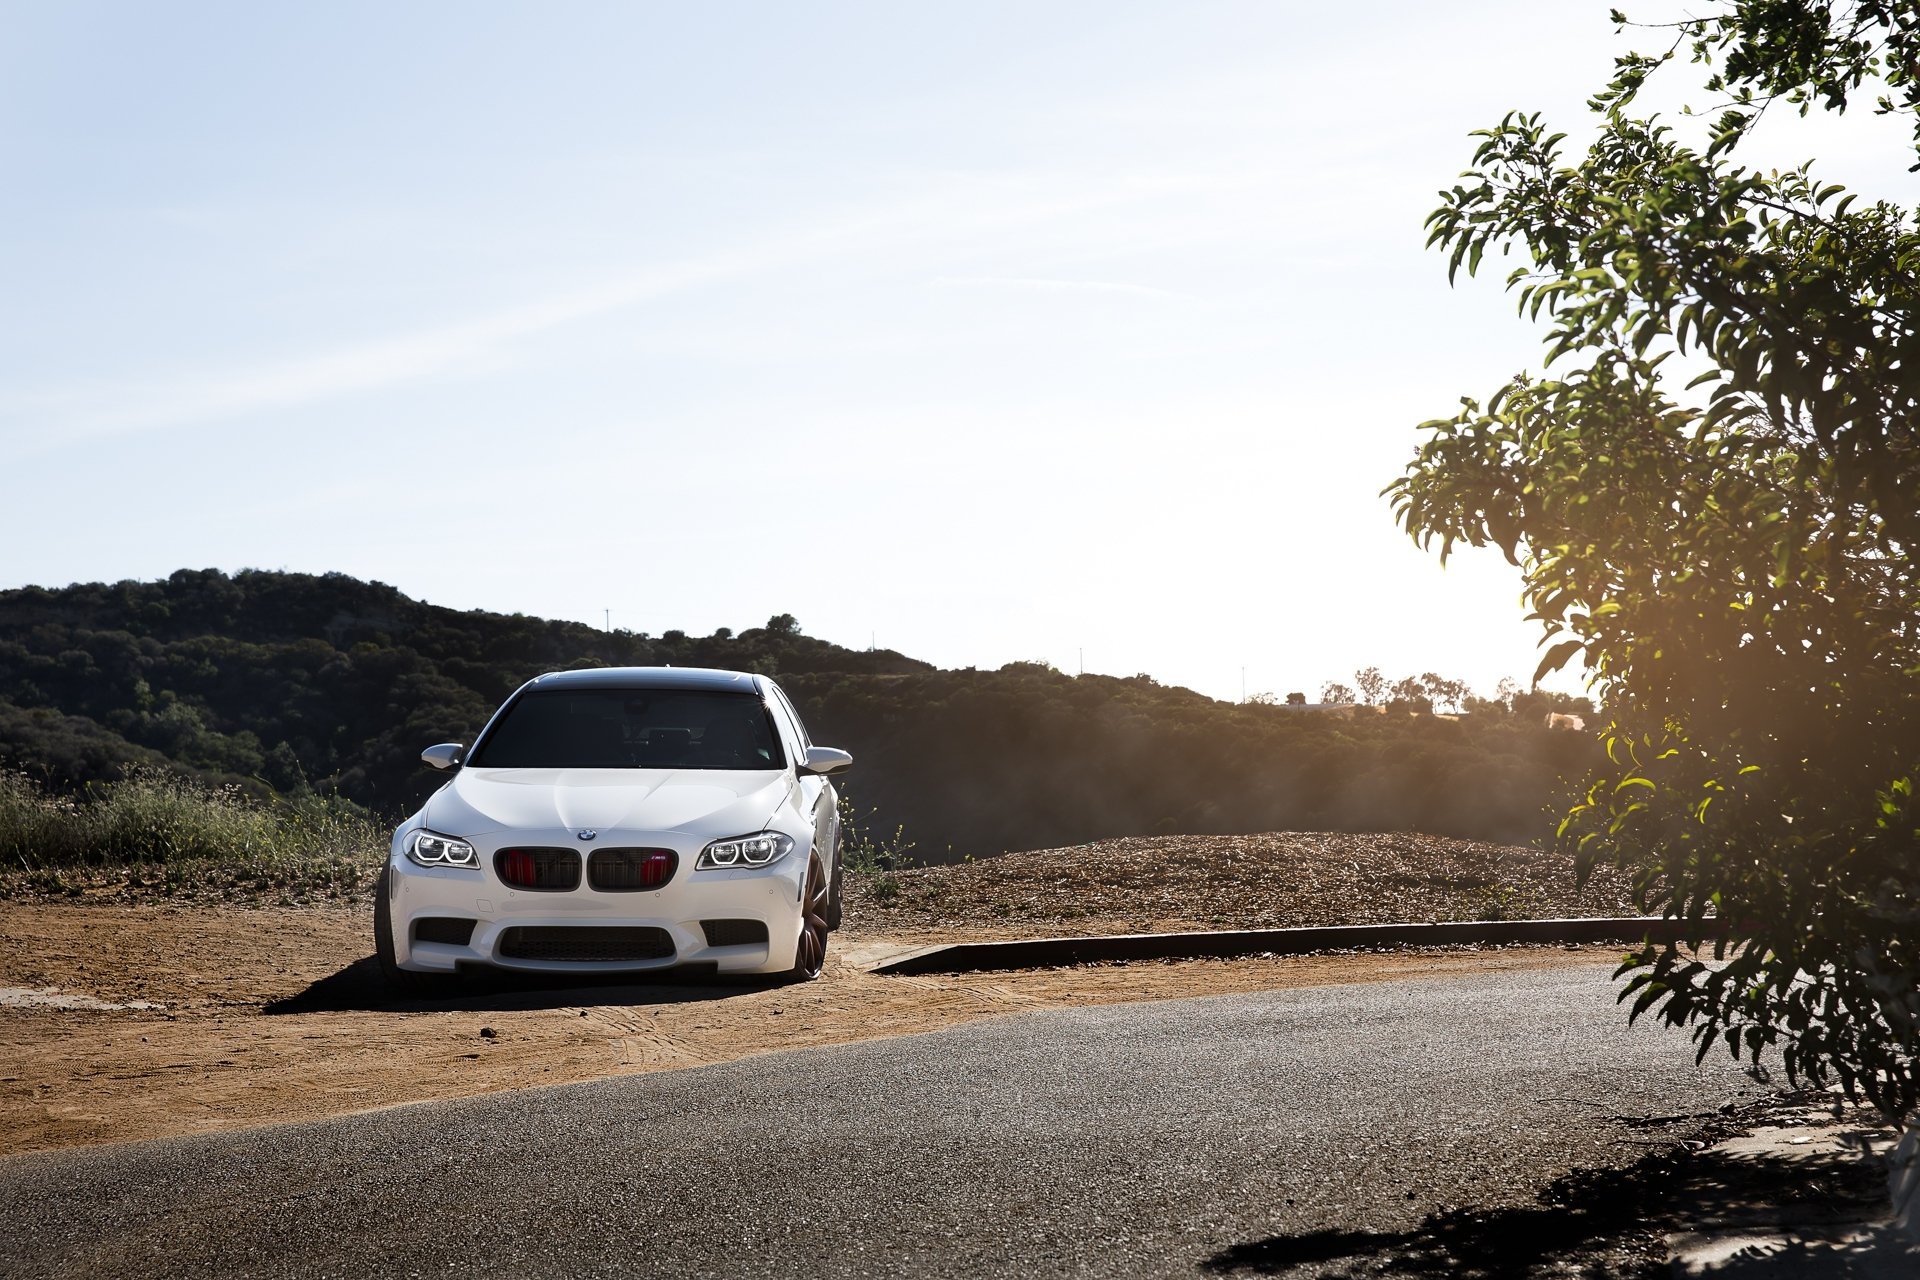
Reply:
x=359, y=988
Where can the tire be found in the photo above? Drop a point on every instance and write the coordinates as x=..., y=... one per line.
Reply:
x=810, y=954
x=398, y=981
x=834, y=910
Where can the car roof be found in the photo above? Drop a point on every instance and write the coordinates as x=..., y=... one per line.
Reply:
x=649, y=678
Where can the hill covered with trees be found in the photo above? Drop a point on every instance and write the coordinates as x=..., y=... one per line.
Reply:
x=291, y=683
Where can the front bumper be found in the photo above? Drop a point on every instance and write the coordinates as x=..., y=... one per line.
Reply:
x=769, y=895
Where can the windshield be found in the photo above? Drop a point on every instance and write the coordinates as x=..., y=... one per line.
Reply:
x=631, y=729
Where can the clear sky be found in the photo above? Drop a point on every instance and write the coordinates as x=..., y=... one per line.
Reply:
x=988, y=331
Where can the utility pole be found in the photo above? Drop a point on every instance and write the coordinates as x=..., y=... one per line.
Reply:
x=1243, y=684
x=1083, y=660
x=609, y=615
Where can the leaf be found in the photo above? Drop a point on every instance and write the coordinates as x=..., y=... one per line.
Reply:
x=1556, y=658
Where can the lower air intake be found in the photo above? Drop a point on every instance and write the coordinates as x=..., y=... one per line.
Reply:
x=586, y=943
x=734, y=933
x=445, y=929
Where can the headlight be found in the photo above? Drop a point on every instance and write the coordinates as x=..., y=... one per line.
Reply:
x=430, y=850
x=745, y=851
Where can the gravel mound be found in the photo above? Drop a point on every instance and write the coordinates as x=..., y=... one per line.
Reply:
x=1278, y=880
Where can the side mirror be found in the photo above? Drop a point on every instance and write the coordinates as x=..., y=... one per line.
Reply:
x=823, y=762
x=444, y=755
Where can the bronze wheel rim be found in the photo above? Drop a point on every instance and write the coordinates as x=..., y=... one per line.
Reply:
x=812, y=952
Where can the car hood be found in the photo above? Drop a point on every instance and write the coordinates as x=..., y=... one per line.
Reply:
x=703, y=802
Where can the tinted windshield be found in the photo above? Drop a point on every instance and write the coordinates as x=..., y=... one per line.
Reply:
x=631, y=729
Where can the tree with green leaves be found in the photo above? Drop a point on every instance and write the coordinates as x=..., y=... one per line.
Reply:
x=1446, y=692
x=1337, y=694
x=1731, y=562
x=1506, y=691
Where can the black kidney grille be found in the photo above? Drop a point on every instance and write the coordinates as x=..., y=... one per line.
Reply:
x=444, y=929
x=551, y=870
x=630, y=870
x=586, y=943
x=734, y=933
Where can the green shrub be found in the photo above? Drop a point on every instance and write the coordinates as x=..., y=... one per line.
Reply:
x=863, y=853
x=160, y=832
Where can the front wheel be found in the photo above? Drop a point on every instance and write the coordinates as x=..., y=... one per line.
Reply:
x=398, y=981
x=835, y=911
x=810, y=955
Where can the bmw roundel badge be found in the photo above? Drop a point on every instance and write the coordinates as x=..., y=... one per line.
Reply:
x=588, y=835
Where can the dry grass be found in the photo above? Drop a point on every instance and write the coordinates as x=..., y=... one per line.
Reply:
x=1277, y=880
x=154, y=837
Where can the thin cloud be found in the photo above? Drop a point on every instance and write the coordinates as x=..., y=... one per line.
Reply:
x=957, y=209
x=424, y=354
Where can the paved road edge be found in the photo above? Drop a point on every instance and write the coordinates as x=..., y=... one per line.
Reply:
x=1040, y=953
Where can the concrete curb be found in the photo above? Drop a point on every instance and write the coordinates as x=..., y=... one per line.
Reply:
x=1040, y=953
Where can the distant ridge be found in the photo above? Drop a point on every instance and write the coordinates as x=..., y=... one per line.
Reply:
x=284, y=681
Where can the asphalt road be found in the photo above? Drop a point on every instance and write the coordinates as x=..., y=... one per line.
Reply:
x=1186, y=1137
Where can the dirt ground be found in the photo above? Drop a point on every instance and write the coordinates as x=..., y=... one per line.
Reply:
x=126, y=1022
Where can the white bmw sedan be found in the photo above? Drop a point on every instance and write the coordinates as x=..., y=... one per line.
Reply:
x=621, y=819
